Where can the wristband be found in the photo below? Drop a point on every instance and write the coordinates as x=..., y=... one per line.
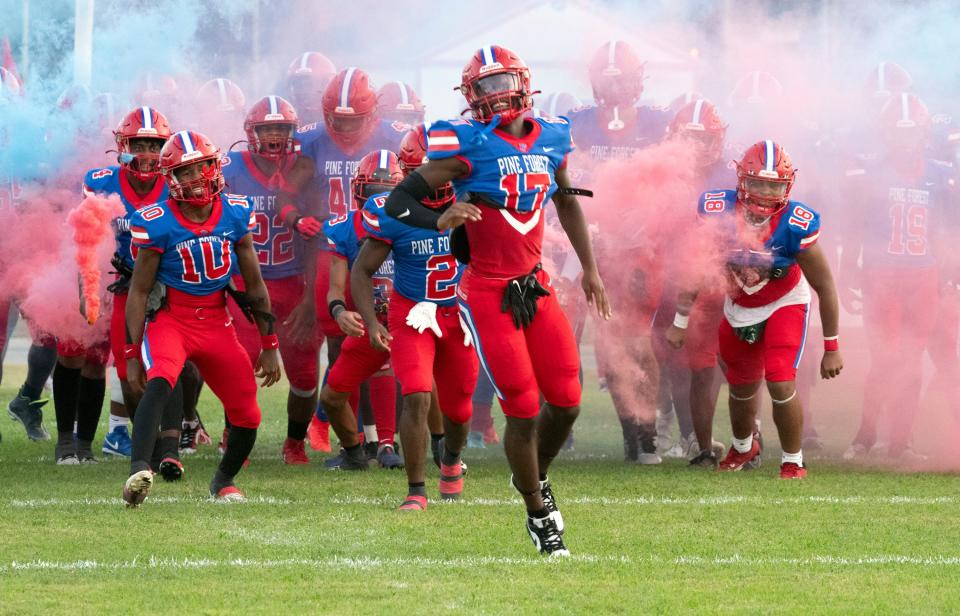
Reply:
x=680, y=321
x=269, y=341
x=131, y=351
x=286, y=210
x=831, y=343
x=331, y=307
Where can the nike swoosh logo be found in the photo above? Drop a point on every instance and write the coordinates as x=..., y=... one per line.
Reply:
x=404, y=214
x=548, y=149
x=225, y=233
x=113, y=445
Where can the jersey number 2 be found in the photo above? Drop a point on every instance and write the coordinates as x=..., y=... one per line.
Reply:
x=441, y=273
x=280, y=250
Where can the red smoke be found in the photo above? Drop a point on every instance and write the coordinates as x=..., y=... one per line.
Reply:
x=91, y=231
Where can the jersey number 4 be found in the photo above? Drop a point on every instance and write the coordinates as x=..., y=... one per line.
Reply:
x=215, y=262
x=280, y=249
x=908, y=235
x=441, y=278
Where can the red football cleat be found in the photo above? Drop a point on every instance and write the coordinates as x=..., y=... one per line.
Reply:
x=451, y=481
x=735, y=461
x=318, y=434
x=490, y=436
x=413, y=503
x=789, y=470
x=294, y=452
x=229, y=494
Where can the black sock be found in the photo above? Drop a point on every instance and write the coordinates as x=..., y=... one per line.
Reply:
x=66, y=387
x=168, y=447
x=147, y=421
x=89, y=406
x=538, y=513
x=239, y=446
x=543, y=476
x=356, y=453
x=417, y=489
x=40, y=363
x=448, y=457
x=297, y=430
x=435, y=438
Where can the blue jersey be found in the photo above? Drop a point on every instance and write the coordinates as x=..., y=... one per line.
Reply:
x=512, y=175
x=113, y=181
x=336, y=168
x=761, y=261
x=196, y=258
x=901, y=214
x=344, y=239
x=425, y=269
x=279, y=250
x=595, y=139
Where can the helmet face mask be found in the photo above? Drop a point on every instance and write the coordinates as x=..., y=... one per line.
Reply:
x=616, y=75
x=195, y=182
x=413, y=154
x=496, y=82
x=905, y=126
x=190, y=163
x=141, y=156
x=273, y=141
x=765, y=176
x=378, y=172
x=270, y=126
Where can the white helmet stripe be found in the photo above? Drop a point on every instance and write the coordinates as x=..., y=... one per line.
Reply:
x=770, y=155
x=273, y=104
x=304, y=59
x=905, y=107
x=186, y=141
x=345, y=88
x=404, y=97
x=486, y=54
x=222, y=89
x=696, y=111
x=612, y=52
x=384, y=159
x=147, y=117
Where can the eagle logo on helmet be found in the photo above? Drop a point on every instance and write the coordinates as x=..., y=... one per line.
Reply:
x=186, y=149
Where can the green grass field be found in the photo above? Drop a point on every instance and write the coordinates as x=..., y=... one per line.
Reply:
x=644, y=539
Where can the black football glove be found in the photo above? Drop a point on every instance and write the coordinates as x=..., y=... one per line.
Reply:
x=521, y=296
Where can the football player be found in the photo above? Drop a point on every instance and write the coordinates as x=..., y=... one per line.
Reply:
x=287, y=262
x=398, y=102
x=772, y=259
x=176, y=309
x=425, y=337
x=307, y=78
x=904, y=201
x=358, y=360
x=510, y=166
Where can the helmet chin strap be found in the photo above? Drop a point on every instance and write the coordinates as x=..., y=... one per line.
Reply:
x=616, y=123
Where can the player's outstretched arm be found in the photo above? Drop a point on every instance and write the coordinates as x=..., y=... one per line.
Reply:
x=813, y=263
x=350, y=322
x=575, y=226
x=144, y=276
x=268, y=364
x=405, y=202
x=373, y=253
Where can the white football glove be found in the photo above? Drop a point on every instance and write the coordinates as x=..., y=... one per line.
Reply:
x=467, y=336
x=423, y=316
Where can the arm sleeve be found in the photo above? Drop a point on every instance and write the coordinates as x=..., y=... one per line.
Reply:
x=404, y=203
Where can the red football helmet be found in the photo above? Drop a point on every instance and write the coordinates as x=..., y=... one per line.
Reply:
x=398, y=101
x=557, y=104
x=143, y=124
x=905, y=124
x=157, y=91
x=756, y=88
x=700, y=121
x=683, y=99
x=222, y=95
x=616, y=75
x=350, y=108
x=378, y=172
x=888, y=79
x=9, y=84
x=190, y=163
x=307, y=77
x=765, y=176
x=496, y=82
x=271, y=111
x=413, y=153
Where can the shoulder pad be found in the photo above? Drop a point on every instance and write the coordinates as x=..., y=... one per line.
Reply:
x=716, y=202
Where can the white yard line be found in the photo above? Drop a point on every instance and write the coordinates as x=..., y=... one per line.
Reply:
x=392, y=564
x=390, y=500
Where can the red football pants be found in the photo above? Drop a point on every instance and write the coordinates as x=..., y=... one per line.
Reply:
x=419, y=359
x=357, y=362
x=775, y=356
x=521, y=363
x=198, y=328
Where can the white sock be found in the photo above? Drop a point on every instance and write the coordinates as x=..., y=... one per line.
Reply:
x=193, y=425
x=116, y=422
x=796, y=458
x=370, y=434
x=743, y=445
